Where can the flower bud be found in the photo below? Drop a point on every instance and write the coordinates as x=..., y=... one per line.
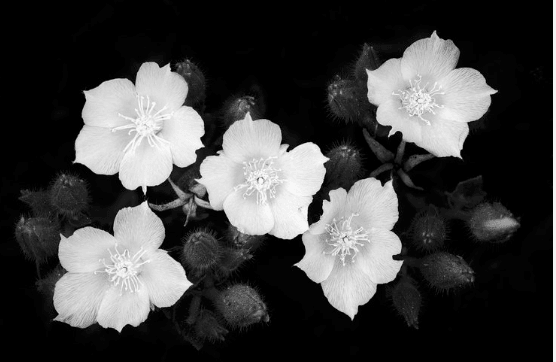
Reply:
x=428, y=229
x=241, y=306
x=69, y=195
x=243, y=241
x=208, y=328
x=344, y=166
x=407, y=301
x=467, y=194
x=46, y=285
x=235, y=109
x=347, y=99
x=231, y=260
x=38, y=237
x=445, y=271
x=195, y=79
x=201, y=250
x=368, y=59
x=39, y=201
x=492, y=222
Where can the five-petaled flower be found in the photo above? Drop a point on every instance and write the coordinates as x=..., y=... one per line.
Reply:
x=139, y=130
x=349, y=250
x=426, y=99
x=261, y=187
x=115, y=280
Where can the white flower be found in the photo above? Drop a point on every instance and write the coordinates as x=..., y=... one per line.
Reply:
x=426, y=99
x=349, y=250
x=114, y=280
x=139, y=130
x=261, y=187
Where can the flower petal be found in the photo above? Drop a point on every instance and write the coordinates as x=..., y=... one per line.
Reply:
x=82, y=251
x=103, y=103
x=139, y=227
x=375, y=259
x=303, y=169
x=390, y=114
x=100, y=149
x=147, y=166
x=330, y=209
x=248, y=216
x=290, y=214
x=119, y=308
x=164, y=278
x=376, y=206
x=430, y=57
x=315, y=263
x=444, y=138
x=184, y=131
x=164, y=87
x=347, y=288
x=247, y=139
x=384, y=80
x=220, y=175
x=77, y=298
x=467, y=96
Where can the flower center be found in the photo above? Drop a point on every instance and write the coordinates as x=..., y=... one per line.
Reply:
x=123, y=269
x=417, y=100
x=344, y=239
x=146, y=125
x=261, y=177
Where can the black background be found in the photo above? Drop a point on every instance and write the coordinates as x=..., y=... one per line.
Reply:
x=292, y=52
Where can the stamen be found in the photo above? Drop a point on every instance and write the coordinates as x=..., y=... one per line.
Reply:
x=344, y=239
x=124, y=269
x=260, y=176
x=146, y=124
x=417, y=100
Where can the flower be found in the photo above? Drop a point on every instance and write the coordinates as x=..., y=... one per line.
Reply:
x=114, y=280
x=261, y=187
x=349, y=250
x=139, y=130
x=426, y=99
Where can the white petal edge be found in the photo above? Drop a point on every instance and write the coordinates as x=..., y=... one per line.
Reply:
x=77, y=298
x=164, y=87
x=81, y=252
x=315, y=263
x=164, y=279
x=389, y=114
x=330, y=210
x=375, y=258
x=105, y=102
x=220, y=175
x=444, y=138
x=290, y=214
x=384, y=80
x=303, y=169
x=248, y=216
x=184, y=131
x=119, y=309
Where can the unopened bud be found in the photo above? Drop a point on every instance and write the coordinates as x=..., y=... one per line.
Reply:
x=347, y=99
x=368, y=60
x=232, y=259
x=46, y=286
x=235, y=109
x=201, y=250
x=428, y=229
x=407, y=301
x=69, y=195
x=241, y=306
x=208, y=328
x=39, y=201
x=467, y=194
x=38, y=237
x=445, y=271
x=195, y=81
x=243, y=241
x=492, y=222
x=344, y=166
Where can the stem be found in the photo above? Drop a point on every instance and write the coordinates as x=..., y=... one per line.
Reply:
x=400, y=152
x=381, y=169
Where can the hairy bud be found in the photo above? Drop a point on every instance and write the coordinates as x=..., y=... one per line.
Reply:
x=241, y=306
x=195, y=79
x=445, y=271
x=428, y=229
x=69, y=195
x=208, y=328
x=201, y=250
x=347, y=99
x=344, y=166
x=39, y=201
x=243, y=241
x=407, y=301
x=235, y=109
x=368, y=60
x=492, y=222
x=38, y=237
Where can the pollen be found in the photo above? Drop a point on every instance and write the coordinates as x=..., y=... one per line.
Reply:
x=417, y=101
x=344, y=239
x=147, y=124
x=260, y=177
x=124, y=269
